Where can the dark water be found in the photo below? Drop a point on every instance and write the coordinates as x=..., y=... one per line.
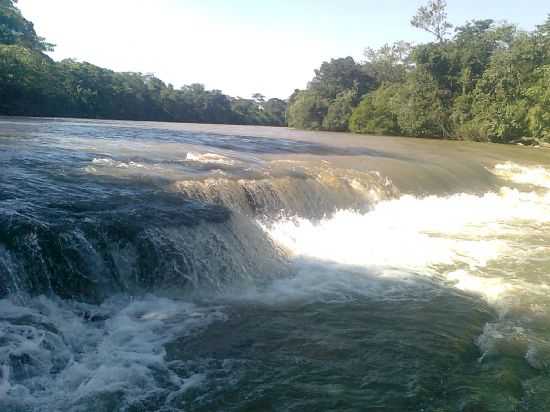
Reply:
x=165, y=267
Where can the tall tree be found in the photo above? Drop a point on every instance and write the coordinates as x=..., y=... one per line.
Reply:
x=307, y=110
x=389, y=63
x=433, y=19
x=377, y=112
x=276, y=110
x=339, y=75
x=339, y=111
x=258, y=97
x=15, y=29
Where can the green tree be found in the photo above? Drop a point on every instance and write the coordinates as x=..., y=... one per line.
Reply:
x=307, y=111
x=15, y=29
x=500, y=106
x=339, y=75
x=276, y=110
x=544, y=29
x=28, y=85
x=389, y=63
x=421, y=110
x=258, y=97
x=539, y=104
x=339, y=111
x=377, y=112
x=433, y=19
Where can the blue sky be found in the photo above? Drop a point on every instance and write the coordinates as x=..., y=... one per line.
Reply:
x=243, y=46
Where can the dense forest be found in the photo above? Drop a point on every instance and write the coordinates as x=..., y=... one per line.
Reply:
x=482, y=81
x=32, y=84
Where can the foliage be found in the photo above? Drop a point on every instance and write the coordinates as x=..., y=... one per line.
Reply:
x=433, y=19
x=339, y=75
x=276, y=111
x=421, y=110
x=307, y=111
x=339, y=111
x=390, y=63
x=258, y=111
x=15, y=29
x=33, y=84
x=500, y=106
x=488, y=82
x=26, y=80
x=329, y=100
x=539, y=101
x=376, y=114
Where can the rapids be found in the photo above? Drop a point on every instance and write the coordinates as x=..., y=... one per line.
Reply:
x=166, y=267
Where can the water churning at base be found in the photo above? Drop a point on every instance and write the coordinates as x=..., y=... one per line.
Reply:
x=139, y=274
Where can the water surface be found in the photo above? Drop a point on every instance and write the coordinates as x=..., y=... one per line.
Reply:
x=170, y=267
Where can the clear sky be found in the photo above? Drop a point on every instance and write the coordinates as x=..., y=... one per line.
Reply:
x=242, y=46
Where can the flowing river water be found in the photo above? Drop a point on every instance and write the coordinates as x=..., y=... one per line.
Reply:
x=169, y=267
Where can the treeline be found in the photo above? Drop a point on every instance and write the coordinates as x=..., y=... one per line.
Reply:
x=32, y=84
x=486, y=82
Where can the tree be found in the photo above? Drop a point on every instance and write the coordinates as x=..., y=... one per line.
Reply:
x=544, y=28
x=539, y=104
x=340, y=75
x=276, y=111
x=27, y=82
x=31, y=83
x=390, y=63
x=307, y=111
x=339, y=112
x=487, y=82
x=542, y=36
x=15, y=29
x=335, y=90
x=420, y=107
x=258, y=97
x=433, y=19
x=376, y=114
x=500, y=105
x=474, y=45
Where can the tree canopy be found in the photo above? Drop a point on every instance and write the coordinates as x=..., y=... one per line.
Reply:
x=15, y=29
x=482, y=81
x=488, y=81
x=33, y=84
x=433, y=19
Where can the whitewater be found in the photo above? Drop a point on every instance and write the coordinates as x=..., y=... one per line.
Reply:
x=160, y=274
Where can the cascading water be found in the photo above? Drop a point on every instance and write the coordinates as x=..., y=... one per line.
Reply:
x=154, y=269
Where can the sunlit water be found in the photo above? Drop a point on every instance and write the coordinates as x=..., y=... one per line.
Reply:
x=151, y=269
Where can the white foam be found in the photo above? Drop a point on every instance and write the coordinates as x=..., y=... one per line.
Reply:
x=533, y=175
x=474, y=243
x=103, y=161
x=453, y=239
x=491, y=288
x=70, y=360
x=209, y=158
x=414, y=232
x=421, y=234
x=118, y=164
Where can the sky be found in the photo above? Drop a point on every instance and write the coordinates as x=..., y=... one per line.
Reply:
x=242, y=46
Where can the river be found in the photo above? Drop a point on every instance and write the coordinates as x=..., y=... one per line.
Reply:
x=177, y=267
